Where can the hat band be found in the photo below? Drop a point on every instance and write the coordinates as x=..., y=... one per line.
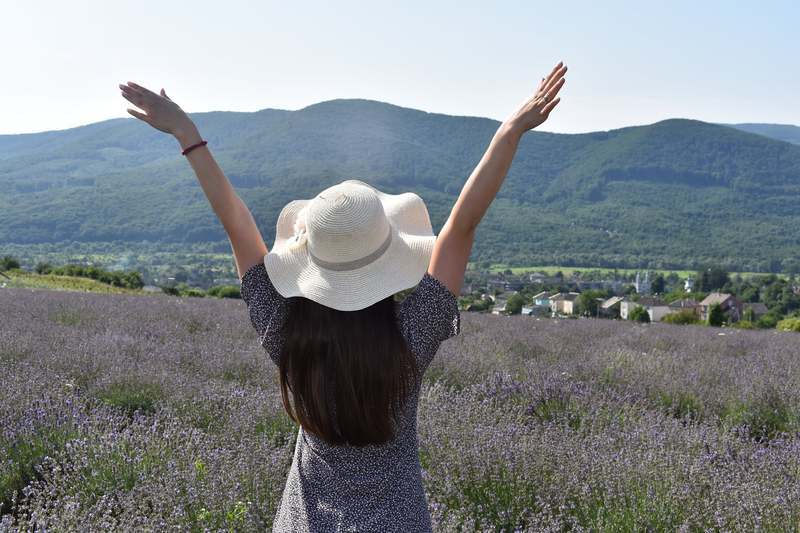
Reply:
x=356, y=263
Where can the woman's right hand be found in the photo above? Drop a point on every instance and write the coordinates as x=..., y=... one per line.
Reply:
x=162, y=113
x=537, y=108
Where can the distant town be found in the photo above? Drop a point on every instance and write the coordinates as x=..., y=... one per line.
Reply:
x=712, y=296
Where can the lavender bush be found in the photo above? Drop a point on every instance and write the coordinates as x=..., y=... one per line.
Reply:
x=148, y=413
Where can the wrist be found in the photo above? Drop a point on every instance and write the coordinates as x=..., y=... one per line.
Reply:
x=187, y=136
x=511, y=129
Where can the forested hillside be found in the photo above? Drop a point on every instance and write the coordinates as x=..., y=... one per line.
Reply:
x=678, y=193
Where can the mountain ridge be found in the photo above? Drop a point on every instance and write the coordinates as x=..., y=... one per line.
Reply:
x=605, y=198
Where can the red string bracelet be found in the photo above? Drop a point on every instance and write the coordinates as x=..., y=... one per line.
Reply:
x=192, y=147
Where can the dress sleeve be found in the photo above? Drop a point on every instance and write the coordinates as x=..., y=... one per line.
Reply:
x=267, y=308
x=430, y=316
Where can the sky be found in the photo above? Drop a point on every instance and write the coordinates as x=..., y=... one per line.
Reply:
x=630, y=63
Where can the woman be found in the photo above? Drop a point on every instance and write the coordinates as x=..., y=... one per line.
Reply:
x=350, y=359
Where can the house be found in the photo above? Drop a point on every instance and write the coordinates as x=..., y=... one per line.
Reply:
x=504, y=285
x=499, y=307
x=542, y=299
x=730, y=305
x=538, y=277
x=685, y=304
x=564, y=303
x=611, y=308
x=757, y=309
x=655, y=308
x=625, y=308
x=535, y=310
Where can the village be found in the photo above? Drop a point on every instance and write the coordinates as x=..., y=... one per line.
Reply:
x=645, y=298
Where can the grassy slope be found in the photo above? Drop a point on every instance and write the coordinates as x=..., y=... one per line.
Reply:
x=20, y=278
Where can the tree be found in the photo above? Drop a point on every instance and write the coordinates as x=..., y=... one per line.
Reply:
x=8, y=262
x=716, y=316
x=514, y=304
x=657, y=285
x=43, y=267
x=587, y=301
x=711, y=279
x=639, y=314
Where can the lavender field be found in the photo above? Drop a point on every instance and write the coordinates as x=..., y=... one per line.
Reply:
x=152, y=413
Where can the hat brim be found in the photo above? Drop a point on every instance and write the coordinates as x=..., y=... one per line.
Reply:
x=403, y=264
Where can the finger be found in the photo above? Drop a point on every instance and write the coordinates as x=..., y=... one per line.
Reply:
x=141, y=89
x=551, y=94
x=555, y=69
x=555, y=78
x=541, y=85
x=552, y=74
x=550, y=105
x=129, y=90
x=139, y=115
x=134, y=99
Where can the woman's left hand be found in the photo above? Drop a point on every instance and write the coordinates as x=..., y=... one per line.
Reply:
x=162, y=113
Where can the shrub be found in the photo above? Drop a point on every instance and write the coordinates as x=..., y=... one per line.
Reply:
x=639, y=314
x=769, y=321
x=682, y=317
x=789, y=324
x=225, y=291
x=744, y=324
x=43, y=268
x=8, y=262
x=716, y=316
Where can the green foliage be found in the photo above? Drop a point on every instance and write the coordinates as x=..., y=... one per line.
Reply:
x=23, y=454
x=514, y=304
x=588, y=303
x=789, y=324
x=639, y=314
x=225, y=291
x=183, y=289
x=278, y=429
x=130, y=280
x=681, y=404
x=43, y=268
x=8, y=262
x=716, y=316
x=711, y=279
x=658, y=284
x=766, y=415
x=132, y=395
x=744, y=324
x=769, y=321
x=603, y=198
x=682, y=317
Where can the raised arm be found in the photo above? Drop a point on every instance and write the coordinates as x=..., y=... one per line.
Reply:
x=165, y=115
x=454, y=243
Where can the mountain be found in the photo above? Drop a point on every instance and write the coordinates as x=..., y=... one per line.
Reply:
x=781, y=132
x=677, y=193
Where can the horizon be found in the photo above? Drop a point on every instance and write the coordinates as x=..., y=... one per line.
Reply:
x=413, y=109
x=629, y=64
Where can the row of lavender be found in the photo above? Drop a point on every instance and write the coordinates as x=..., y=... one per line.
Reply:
x=152, y=413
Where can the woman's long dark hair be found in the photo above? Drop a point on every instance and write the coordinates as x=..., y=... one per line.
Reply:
x=349, y=371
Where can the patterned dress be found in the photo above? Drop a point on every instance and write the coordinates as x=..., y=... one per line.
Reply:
x=347, y=488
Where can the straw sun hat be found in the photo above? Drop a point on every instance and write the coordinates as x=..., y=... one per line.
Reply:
x=350, y=246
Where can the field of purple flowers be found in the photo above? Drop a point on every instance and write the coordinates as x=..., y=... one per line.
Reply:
x=153, y=412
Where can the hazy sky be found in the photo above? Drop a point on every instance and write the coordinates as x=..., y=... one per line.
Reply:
x=632, y=62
